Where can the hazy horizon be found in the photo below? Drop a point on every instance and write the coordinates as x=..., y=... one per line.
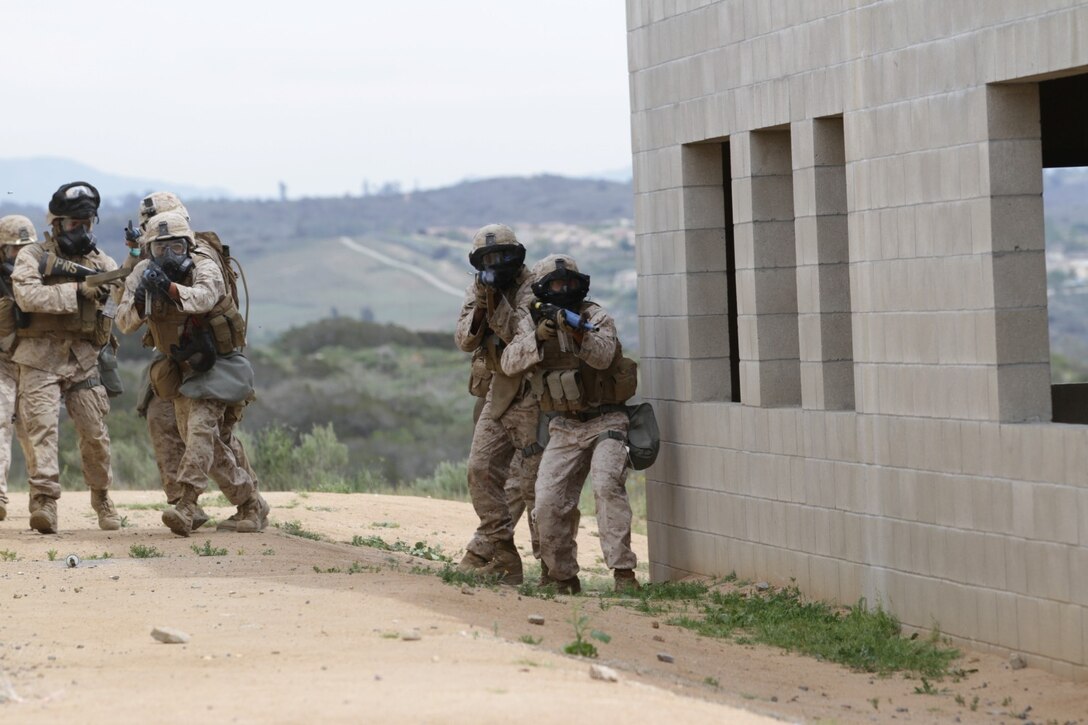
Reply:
x=323, y=96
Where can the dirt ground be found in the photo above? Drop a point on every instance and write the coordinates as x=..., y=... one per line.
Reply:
x=282, y=632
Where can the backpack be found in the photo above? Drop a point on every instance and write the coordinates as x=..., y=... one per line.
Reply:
x=227, y=265
x=643, y=436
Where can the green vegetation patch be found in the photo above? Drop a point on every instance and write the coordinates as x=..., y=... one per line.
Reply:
x=208, y=549
x=420, y=549
x=860, y=638
x=140, y=551
x=294, y=528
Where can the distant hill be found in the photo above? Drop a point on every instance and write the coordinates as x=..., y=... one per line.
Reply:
x=299, y=269
x=33, y=180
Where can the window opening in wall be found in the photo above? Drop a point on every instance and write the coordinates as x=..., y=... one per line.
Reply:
x=774, y=378
x=731, y=276
x=1063, y=107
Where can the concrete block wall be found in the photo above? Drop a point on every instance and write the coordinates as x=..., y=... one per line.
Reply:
x=885, y=188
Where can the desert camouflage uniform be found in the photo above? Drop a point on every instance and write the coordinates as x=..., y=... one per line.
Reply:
x=9, y=422
x=54, y=368
x=500, y=434
x=166, y=440
x=512, y=490
x=206, y=426
x=162, y=425
x=576, y=448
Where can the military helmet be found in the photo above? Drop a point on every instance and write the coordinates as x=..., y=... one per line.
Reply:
x=77, y=200
x=159, y=202
x=496, y=247
x=167, y=225
x=16, y=230
x=571, y=286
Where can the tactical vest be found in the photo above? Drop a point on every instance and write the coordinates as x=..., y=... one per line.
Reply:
x=86, y=323
x=167, y=323
x=563, y=382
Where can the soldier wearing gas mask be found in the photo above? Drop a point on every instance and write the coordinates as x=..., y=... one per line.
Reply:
x=16, y=232
x=180, y=292
x=57, y=354
x=569, y=350
x=508, y=420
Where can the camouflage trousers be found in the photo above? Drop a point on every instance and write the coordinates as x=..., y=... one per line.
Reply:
x=492, y=472
x=166, y=441
x=210, y=450
x=514, y=502
x=40, y=396
x=575, y=450
x=9, y=422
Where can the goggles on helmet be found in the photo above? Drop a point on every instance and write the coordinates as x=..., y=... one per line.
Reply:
x=497, y=256
x=160, y=247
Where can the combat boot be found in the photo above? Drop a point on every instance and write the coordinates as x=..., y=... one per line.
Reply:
x=3, y=510
x=625, y=581
x=108, y=520
x=471, y=562
x=254, y=515
x=568, y=586
x=43, y=514
x=200, y=517
x=545, y=580
x=180, y=518
x=505, y=565
x=231, y=523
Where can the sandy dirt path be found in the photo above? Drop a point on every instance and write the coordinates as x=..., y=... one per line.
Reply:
x=282, y=632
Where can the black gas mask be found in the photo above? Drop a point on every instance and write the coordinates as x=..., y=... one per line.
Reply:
x=172, y=255
x=74, y=238
x=498, y=265
x=563, y=287
x=75, y=206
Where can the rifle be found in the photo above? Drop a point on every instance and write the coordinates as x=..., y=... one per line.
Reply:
x=22, y=319
x=52, y=265
x=541, y=310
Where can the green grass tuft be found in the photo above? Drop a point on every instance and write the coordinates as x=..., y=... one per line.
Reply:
x=208, y=549
x=862, y=639
x=139, y=551
x=294, y=528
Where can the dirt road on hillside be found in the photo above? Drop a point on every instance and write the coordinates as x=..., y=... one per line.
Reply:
x=287, y=629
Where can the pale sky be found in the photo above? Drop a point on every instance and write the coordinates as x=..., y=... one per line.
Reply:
x=241, y=94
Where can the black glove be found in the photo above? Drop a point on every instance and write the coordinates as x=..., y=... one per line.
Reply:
x=155, y=279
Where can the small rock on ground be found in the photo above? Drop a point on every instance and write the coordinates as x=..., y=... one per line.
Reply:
x=536, y=619
x=1017, y=661
x=169, y=635
x=410, y=635
x=666, y=657
x=600, y=672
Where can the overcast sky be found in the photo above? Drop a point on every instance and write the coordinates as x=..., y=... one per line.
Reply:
x=242, y=94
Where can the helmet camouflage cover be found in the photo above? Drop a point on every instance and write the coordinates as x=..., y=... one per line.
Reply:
x=496, y=246
x=159, y=202
x=168, y=225
x=559, y=267
x=17, y=230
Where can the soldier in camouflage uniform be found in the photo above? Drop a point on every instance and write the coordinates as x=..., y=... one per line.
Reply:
x=181, y=293
x=162, y=424
x=582, y=381
x=508, y=420
x=57, y=354
x=16, y=232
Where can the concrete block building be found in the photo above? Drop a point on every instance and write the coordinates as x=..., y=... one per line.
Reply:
x=843, y=305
